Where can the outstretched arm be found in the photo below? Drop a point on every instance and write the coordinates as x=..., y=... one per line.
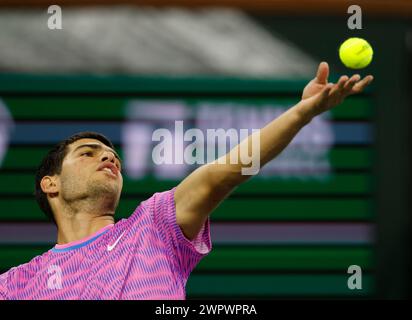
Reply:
x=201, y=192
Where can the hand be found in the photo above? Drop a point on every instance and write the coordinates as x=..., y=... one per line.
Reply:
x=320, y=96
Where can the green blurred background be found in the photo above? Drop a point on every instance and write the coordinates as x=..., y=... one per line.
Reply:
x=291, y=232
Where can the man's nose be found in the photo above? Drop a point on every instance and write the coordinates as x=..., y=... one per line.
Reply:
x=108, y=156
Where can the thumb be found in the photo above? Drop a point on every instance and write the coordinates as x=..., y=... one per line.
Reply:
x=323, y=73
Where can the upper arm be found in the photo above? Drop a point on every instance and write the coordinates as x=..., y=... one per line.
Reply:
x=184, y=254
x=199, y=194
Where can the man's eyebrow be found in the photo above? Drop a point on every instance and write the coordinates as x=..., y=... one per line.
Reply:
x=96, y=146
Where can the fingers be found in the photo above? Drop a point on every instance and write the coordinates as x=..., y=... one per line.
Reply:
x=350, y=84
x=326, y=91
x=339, y=87
x=333, y=94
x=323, y=73
x=361, y=85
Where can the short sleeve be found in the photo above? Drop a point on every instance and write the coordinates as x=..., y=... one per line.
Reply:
x=187, y=253
x=3, y=286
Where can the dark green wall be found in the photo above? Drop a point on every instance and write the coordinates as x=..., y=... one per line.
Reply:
x=321, y=37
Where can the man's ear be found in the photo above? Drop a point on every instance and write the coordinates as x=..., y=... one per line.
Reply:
x=49, y=185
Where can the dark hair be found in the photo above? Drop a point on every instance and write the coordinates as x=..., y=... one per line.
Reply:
x=52, y=164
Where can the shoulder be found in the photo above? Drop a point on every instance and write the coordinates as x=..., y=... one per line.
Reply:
x=28, y=269
x=159, y=202
x=19, y=275
x=3, y=285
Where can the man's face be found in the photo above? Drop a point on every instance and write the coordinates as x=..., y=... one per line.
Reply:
x=90, y=169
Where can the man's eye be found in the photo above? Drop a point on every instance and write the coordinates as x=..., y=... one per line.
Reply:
x=86, y=153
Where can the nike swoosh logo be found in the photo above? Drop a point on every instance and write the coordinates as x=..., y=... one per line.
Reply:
x=111, y=247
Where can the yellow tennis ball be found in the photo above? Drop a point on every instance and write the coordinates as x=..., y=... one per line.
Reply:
x=356, y=53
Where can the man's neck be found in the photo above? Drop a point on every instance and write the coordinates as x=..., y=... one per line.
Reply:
x=81, y=226
x=79, y=219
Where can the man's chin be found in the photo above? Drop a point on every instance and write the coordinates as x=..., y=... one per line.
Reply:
x=106, y=187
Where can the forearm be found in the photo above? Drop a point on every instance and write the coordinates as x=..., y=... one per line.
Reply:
x=273, y=139
x=278, y=134
x=202, y=191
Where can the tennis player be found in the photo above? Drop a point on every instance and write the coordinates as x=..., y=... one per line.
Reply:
x=151, y=254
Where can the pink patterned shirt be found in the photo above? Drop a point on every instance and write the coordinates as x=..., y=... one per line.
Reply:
x=143, y=257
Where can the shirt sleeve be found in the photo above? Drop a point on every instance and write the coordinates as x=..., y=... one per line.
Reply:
x=187, y=253
x=3, y=286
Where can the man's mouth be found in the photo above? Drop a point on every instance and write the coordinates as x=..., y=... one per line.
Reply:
x=110, y=168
